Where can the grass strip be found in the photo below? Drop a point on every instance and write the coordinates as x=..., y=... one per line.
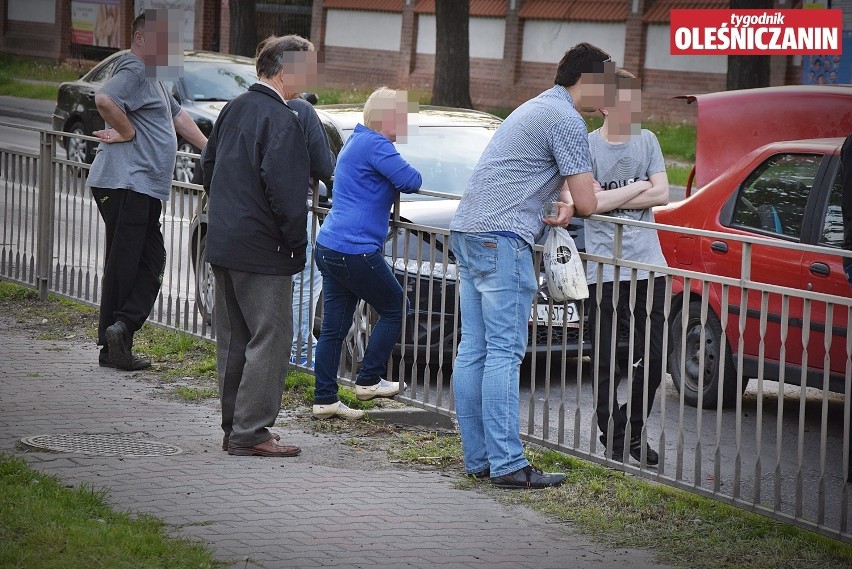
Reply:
x=175, y=355
x=620, y=510
x=46, y=525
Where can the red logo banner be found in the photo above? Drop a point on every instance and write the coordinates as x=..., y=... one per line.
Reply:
x=756, y=32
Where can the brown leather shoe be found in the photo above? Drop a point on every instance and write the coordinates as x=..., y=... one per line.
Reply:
x=227, y=436
x=267, y=448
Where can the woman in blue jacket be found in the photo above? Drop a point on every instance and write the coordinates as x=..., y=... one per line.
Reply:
x=370, y=174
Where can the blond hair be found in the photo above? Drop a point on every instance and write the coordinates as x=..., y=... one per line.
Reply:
x=382, y=99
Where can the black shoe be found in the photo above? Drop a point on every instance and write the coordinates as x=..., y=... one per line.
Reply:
x=118, y=346
x=617, y=449
x=528, y=477
x=481, y=475
x=136, y=363
x=651, y=456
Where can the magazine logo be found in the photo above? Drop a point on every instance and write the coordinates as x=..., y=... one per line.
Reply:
x=756, y=32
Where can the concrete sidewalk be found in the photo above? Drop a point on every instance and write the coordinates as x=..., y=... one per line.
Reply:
x=309, y=511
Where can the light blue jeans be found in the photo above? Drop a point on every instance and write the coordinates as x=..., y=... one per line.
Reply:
x=307, y=286
x=497, y=285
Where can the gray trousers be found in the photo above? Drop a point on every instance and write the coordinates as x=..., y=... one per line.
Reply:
x=254, y=333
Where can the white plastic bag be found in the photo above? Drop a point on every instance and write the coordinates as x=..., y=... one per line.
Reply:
x=566, y=277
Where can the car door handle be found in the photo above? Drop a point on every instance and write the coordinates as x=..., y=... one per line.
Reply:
x=719, y=246
x=820, y=269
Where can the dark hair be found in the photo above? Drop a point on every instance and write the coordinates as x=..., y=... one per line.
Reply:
x=273, y=52
x=138, y=24
x=582, y=58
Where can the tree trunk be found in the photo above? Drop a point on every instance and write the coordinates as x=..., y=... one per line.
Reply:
x=243, y=27
x=452, y=54
x=749, y=71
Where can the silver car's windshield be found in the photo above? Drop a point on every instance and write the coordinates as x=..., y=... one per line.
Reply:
x=217, y=81
x=444, y=155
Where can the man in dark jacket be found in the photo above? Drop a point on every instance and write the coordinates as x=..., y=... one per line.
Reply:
x=256, y=168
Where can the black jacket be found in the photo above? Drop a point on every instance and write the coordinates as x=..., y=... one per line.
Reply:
x=322, y=158
x=256, y=168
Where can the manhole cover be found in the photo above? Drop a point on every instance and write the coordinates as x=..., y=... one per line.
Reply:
x=104, y=444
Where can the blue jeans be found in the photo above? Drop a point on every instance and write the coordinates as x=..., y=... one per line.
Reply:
x=497, y=284
x=346, y=279
x=306, y=290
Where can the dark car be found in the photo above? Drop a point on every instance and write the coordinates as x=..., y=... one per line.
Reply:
x=770, y=167
x=209, y=81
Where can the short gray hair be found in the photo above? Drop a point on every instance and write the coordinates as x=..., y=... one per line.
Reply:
x=274, y=52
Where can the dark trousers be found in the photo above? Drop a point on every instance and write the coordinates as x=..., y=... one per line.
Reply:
x=135, y=257
x=345, y=280
x=604, y=344
x=254, y=335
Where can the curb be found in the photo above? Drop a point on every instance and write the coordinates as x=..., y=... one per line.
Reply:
x=27, y=109
x=413, y=417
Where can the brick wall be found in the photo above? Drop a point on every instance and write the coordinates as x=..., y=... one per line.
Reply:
x=206, y=25
x=660, y=86
x=495, y=83
x=369, y=69
x=225, y=26
x=31, y=39
x=486, y=88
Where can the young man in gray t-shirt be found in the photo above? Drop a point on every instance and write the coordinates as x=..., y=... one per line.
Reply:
x=630, y=178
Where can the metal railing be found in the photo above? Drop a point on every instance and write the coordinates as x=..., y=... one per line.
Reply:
x=780, y=449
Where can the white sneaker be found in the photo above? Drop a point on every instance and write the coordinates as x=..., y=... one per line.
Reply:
x=336, y=409
x=383, y=388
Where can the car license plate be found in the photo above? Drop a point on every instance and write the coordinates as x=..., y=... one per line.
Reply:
x=556, y=315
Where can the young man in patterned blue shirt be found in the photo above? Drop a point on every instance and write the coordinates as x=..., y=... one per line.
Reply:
x=538, y=153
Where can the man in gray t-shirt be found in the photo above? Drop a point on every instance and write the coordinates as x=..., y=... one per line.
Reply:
x=630, y=178
x=131, y=174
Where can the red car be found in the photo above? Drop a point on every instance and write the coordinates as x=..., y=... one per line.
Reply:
x=768, y=162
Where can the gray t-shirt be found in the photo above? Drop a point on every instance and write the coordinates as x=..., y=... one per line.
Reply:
x=146, y=163
x=615, y=166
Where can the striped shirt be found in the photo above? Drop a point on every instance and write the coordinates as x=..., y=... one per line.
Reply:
x=523, y=167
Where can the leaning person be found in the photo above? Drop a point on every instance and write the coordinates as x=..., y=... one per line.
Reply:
x=538, y=148
x=369, y=176
x=256, y=168
x=129, y=179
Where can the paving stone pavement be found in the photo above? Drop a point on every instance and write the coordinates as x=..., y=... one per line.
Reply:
x=264, y=512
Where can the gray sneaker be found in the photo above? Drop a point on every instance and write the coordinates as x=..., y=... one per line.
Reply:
x=336, y=409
